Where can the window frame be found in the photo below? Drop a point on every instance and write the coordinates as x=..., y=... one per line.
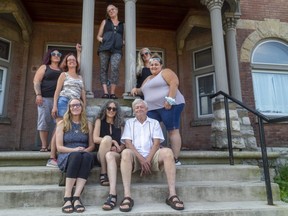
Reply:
x=9, y=51
x=3, y=89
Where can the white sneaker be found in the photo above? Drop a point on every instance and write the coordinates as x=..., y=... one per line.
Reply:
x=177, y=162
x=52, y=163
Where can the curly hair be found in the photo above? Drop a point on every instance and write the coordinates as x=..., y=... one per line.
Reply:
x=118, y=118
x=67, y=118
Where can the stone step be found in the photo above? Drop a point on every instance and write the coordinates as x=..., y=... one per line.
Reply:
x=36, y=175
x=194, y=191
x=250, y=208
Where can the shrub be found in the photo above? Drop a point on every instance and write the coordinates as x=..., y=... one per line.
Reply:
x=282, y=180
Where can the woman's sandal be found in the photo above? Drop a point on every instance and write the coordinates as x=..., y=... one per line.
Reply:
x=110, y=202
x=68, y=208
x=105, y=96
x=80, y=207
x=113, y=96
x=173, y=203
x=44, y=149
x=127, y=201
x=104, y=180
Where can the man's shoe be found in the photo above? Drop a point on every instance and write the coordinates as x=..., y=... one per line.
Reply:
x=52, y=163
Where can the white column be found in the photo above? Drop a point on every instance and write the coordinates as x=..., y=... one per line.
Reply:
x=87, y=44
x=214, y=7
x=233, y=65
x=130, y=45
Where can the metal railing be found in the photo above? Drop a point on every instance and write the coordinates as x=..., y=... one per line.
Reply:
x=261, y=118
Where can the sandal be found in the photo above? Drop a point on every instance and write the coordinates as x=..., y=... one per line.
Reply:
x=104, y=180
x=113, y=96
x=105, y=96
x=110, y=202
x=80, y=207
x=68, y=208
x=124, y=202
x=173, y=203
x=44, y=149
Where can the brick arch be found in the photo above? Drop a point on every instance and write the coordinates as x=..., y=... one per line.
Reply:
x=264, y=30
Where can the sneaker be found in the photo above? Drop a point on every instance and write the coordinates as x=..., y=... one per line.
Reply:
x=177, y=162
x=52, y=163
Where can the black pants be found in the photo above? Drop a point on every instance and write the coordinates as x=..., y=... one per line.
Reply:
x=79, y=165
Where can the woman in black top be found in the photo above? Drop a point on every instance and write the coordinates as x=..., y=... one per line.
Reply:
x=110, y=36
x=107, y=133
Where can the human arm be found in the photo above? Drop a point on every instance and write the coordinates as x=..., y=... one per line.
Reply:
x=79, y=49
x=83, y=92
x=96, y=132
x=100, y=31
x=37, y=84
x=91, y=145
x=173, y=82
x=59, y=86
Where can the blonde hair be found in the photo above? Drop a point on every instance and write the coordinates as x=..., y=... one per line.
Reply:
x=140, y=62
x=67, y=118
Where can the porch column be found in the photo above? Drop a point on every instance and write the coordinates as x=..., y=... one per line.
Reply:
x=130, y=45
x=229, y=24
x=87, y=44
x=214, y=7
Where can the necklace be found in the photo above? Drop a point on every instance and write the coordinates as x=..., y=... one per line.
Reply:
x=75, y=127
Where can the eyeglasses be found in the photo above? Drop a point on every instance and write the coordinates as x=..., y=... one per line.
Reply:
x=71, y=60
x=146, y=53
x=56, y=54
x=114, y=109
x=78, y=105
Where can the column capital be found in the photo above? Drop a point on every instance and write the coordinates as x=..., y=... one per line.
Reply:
x=229, y=22
x=134, y=1
x=212, y=4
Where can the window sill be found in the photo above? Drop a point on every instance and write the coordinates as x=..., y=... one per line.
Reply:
x=201, y=122
x=5, y=120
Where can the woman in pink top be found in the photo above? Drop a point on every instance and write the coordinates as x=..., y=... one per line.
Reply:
x=165, y=101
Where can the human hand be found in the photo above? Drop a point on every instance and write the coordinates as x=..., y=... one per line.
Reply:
x=79, y=149
x=54, y=112
x=39, y=100
x=78, y=47
x=167, y=106
x=134, y=92
x=145, y=167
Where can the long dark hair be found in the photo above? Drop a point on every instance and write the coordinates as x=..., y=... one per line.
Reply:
x=118, y=118
x=47, y=57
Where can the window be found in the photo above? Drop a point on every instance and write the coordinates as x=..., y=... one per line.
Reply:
x=204, y=81
x=64, y=49
x=3, y=74
x=5, y=47
x=270, y=77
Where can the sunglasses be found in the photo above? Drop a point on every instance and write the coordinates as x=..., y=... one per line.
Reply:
x=56, y=54
x=146, y=53
x=75, y=105
x=114, y=109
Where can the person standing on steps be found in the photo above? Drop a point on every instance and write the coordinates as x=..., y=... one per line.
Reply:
x=143, y=67
x=110, y=36
x=74, y=143
x=107, y=133
x=142, y=137
x=165, y=101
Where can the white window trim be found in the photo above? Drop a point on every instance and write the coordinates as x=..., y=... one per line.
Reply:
x=3, y=89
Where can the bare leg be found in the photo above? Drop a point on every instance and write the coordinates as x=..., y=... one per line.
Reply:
x=80, y=183
x=43, y=137
x=113, y=159
x=68, y=190
x=53, y=153
x=126, y=170
x=104, y=147
x=175, y=140
x=105, y=89
x=113, y=87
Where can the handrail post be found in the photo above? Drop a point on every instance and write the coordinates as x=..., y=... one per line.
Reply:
x=265, y=162
x=229, y=139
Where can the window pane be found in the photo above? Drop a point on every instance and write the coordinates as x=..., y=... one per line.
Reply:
x=4, y=49
x=203, y=58
x=3, y=72
x=205, y=89
x=271, y=52
x=270, y=92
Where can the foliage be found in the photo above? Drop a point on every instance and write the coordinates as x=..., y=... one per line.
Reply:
x=282, y=180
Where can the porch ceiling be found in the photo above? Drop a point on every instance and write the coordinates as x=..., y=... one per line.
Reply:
x=156, y=14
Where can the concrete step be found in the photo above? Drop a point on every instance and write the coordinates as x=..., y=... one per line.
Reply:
x=36, y=175
x=194, y=191
x=251, y=208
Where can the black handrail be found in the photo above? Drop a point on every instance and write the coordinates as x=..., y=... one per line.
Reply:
x=261, y=117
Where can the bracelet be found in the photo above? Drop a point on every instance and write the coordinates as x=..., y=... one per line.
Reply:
x=170, y=100
x=38, y=94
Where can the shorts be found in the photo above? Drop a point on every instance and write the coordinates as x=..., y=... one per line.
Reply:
x=44, y=114
x=62, y=106
x=154, y=163
x=170, y=118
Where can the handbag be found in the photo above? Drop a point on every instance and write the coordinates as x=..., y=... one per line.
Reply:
x=62, y=179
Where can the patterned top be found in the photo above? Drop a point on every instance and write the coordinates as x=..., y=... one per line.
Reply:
x=72, y=87
x=72, y=139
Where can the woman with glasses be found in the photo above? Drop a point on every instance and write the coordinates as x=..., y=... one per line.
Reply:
x=74, y=144
x=143, y=69
x=110, y=36
x=165, y=101
x=107, y=133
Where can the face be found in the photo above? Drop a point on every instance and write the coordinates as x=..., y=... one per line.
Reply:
x=140, y=110
x=145, y=55
x=111, y=110
x=75, y=107
x=112, y=11
x=155, y=66
x=55, y=56
x=71, y=61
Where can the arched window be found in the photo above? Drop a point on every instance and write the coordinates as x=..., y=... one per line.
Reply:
x=270, y=77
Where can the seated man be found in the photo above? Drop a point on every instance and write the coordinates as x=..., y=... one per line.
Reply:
x=142, y=136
